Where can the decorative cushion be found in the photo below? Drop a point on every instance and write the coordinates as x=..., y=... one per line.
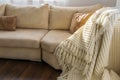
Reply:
x=60, y=17
x=29, y=16
x=2, y=9
x=8, y=23
x=78, y=20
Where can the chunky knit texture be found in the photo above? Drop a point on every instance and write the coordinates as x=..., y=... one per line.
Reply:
x=84, y=55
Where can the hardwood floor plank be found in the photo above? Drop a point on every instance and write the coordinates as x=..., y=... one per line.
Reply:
x=6, y=69
x=31, y=71
x=16, y=70
x=39, y=71
x=26, y=70
x=2, y=63
x=54, y=75
x=46, y=74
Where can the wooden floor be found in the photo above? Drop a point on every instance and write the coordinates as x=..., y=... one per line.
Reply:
x=26, y=70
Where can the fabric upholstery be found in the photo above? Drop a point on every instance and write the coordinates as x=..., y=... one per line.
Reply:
x=60, y=17
x=114, y=59
x=33, y=54
x=8, y=23
x=53, y=38
x=30, y=16
x=114, y=76
x=50, y=59
x=110, y=75
x=106, y=75
x=2, y=9
x=28, y=38
x=78, y=20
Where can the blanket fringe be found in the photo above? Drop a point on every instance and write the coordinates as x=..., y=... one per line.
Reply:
x=73, y=57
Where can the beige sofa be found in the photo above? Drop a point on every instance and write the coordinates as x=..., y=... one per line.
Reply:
x=40, y=29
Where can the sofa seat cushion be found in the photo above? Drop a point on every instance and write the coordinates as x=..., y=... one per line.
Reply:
x=53, y=38
x=25, y=38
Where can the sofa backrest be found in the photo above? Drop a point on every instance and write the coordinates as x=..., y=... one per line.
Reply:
x=114, y=58
x=29, y=16
x=39, y=17
x=60, y=17
x=2, y=9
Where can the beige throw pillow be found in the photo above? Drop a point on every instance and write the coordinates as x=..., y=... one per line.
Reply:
x=8, y=23
x=60, y=17
x=78, y=20
x=30, y=16
x=2, y=9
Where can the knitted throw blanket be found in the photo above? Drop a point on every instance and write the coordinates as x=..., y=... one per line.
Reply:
x=84, y=55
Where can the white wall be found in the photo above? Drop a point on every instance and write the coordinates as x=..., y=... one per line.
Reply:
x=63, y=2
x=89, y=2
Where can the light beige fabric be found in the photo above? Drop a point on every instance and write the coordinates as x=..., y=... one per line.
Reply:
x=114, y=60
x=60, y=17
x=106, y=75
x=110, y=75
x=114, y=76
x=29, y=38
x=50, y=59
x=2, y=9
x=53, y=38
x=21, y=53
x=30, y=16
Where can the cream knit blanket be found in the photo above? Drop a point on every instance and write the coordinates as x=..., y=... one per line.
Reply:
x=84, y=55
